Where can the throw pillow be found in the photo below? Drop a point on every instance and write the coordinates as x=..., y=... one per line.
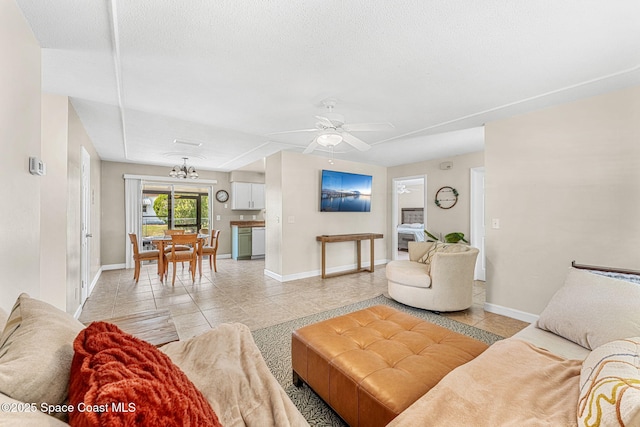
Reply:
x=127, y=381
x=427, y=258
x=610, y=385
x=36, y=349
x=591, y=309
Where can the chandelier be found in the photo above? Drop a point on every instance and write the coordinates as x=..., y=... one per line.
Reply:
x=183, y=171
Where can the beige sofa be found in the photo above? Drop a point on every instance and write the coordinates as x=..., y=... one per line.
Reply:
x=224, y=364
x=585, y=346
x=436, y=277
x=578, y=365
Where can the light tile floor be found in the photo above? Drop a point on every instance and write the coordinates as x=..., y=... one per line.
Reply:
x=240, y=292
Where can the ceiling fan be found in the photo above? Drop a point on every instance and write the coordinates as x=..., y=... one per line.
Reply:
x=402, y=189
x=332, y=130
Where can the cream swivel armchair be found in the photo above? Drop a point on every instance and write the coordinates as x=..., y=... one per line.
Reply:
x=443, y=284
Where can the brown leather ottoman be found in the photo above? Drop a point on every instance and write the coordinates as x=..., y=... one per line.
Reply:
x=371, y=364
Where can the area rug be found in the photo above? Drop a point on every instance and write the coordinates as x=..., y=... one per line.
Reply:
x=275, y=344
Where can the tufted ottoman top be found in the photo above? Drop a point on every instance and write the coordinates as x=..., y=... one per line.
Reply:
x=372, y=364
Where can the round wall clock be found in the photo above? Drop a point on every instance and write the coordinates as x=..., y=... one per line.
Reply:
x=222, y=196
x=446, y=197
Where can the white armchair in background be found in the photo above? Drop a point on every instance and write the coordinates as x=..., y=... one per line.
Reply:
x=443, y=284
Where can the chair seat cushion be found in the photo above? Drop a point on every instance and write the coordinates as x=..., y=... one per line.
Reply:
x=208, y=249
x=153, y=254
x=180, y=255
x=409, y=273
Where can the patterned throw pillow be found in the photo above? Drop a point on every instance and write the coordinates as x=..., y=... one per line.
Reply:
x=126, y=381
x=610, y=385
x=443, y=248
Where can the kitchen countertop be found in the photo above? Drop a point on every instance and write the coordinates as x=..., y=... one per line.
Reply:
x=248, y=223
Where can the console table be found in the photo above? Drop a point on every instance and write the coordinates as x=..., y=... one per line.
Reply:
x=358, y=238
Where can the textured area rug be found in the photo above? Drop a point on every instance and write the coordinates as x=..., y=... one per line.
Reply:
x=275, y=344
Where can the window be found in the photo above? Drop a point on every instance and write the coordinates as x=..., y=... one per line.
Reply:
x=166, y=206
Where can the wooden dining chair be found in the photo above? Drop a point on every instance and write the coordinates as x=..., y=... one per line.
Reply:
x=210, y=249
x=176, y=255
x=139, y=256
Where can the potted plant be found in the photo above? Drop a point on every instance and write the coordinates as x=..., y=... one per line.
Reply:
x=455, y=237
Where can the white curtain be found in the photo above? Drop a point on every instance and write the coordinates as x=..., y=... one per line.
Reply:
x=133, y=212
x=210, y=209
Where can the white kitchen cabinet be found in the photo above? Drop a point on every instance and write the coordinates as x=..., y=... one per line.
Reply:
x=247, y=196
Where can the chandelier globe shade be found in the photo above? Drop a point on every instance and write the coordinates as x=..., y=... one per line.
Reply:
x=183, y=171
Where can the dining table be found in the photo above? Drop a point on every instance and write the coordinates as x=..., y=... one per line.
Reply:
x=161, y=242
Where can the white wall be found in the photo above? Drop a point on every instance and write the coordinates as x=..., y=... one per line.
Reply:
x=19, y=139
x=565, y=184
x=301, y=221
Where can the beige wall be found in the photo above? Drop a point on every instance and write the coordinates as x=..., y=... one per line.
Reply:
x=439, y=220
x=414, y=199
x=114, y=238
x=301, y=221
x=565, y=184
x=19, y=139
x=42, y=257
x=273, y=203
x=53, y=248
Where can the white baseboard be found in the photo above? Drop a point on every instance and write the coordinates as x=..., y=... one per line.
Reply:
x=315, y=273
x=510, y=312
x=95, y=280
x=114, y=267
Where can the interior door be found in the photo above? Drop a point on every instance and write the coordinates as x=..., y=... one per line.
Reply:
x=477, y=221
x=85, y=231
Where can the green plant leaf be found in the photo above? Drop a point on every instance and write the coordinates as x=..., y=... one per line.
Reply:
x=431, y=236
x=455, y=237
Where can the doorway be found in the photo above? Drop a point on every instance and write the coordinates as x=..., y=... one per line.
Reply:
x=477, y=221
x=408, y=210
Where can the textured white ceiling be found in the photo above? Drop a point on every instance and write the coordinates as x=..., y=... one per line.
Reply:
x=142, y=74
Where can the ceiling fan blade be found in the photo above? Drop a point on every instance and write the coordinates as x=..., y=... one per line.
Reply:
x=326, y=122
x=293, y=131
x=355, y=142
x=310, y=147
x=363, y=127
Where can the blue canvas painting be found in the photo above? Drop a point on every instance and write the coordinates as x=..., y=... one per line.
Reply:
x=345, y=192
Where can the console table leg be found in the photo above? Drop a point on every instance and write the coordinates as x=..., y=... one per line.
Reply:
x=372, y=258
x=324, y=263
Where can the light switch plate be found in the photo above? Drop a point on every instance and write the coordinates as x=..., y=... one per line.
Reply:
x=495, y=223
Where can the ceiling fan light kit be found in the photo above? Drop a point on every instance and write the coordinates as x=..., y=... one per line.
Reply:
x=329, y=138
x=183, y=171
x=332, y=130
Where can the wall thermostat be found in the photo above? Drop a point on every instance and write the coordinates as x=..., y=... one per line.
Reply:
x=37, y=166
